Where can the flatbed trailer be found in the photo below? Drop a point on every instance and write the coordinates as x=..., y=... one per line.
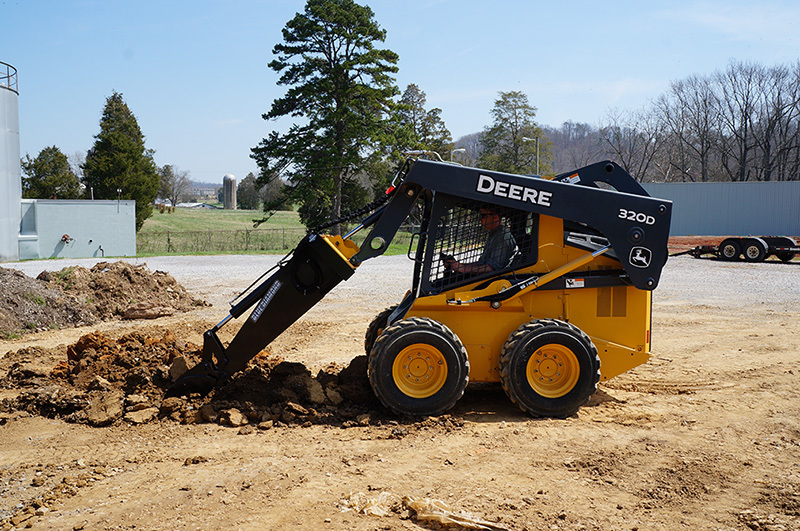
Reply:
x=749, y=248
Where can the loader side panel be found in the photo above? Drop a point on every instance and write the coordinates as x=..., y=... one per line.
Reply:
x=598, y=299
x=622, y=337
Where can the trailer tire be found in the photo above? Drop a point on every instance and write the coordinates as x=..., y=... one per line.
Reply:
x=549, y=368
x=418, y=367
x=755, y=250
x=729, y=249
x=785, y=256
x=376, y=328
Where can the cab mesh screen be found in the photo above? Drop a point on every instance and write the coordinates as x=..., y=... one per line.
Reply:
x=459, y=235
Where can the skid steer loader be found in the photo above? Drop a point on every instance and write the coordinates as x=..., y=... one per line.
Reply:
x=566, y=302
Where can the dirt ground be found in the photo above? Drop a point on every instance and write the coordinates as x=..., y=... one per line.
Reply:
x=704, y=436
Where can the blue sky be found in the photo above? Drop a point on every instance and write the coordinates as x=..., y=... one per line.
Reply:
x=195, y=72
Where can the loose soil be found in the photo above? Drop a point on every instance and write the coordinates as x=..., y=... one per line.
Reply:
x=704, y=436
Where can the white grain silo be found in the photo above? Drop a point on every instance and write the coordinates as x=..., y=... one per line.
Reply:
x=10, y=177
x=229, y=192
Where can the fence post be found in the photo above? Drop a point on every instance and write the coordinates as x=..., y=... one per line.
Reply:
x=169, y=243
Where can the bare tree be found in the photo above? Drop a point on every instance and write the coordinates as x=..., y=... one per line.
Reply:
x=689, y=112
x=738, y=85
x=575, y=145
x=633, y=138
x=775, y=119
x=174, y=183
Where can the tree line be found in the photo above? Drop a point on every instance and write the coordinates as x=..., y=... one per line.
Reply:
x=351, y=127
x=741, y=123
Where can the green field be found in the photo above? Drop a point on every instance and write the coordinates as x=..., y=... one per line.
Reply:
x=216, y=231
x=193, y=219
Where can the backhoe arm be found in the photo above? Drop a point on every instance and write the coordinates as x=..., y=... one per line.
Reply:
x=316, y=266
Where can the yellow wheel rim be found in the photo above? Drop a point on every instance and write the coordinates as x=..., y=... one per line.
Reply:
x=553, y=370
x=419, y=370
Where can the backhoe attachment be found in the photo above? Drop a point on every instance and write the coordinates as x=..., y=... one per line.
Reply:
x=316, y=266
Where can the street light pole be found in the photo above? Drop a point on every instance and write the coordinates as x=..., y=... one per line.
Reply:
x=458, y=150
x=526, y=139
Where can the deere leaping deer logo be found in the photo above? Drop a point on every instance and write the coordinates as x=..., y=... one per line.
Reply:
x=640, y=257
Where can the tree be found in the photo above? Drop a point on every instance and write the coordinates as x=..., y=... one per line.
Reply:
x=49, y=176
x=505, y=146
x=633, y=139
x=119, y=165
x=340, y=87
x=174, y=183
x=426, y=129
x=689, y=115
x=574, y=144
x=738, y=85
x=247, y=194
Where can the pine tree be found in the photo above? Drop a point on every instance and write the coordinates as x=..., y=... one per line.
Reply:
x=509, y=144
x=340, y=90
x=427, y=129
x=119, y=165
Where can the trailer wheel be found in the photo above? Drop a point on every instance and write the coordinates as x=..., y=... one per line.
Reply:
x=729, y=249
x=549, y=368
x=785, y=256
x=376, y=328
x=755, y=250
x=418, y=366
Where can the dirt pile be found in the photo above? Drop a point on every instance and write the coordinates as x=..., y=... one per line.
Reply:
x=28, y=305
x=101, y=381
x=76, y=296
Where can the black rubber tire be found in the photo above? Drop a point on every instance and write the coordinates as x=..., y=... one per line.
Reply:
x=729, y=249
x=406, y=335
x=376, y=327
x=540, y=336
x=754, y=250
x=785, y=256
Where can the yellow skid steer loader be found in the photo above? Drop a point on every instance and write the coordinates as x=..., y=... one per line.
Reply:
x=541, y=285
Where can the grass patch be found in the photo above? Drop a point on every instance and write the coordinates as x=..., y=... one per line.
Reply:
x=199, y=232
x=63, y=277
x=36, y=299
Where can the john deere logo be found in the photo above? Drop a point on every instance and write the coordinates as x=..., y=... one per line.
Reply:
x=640, y=257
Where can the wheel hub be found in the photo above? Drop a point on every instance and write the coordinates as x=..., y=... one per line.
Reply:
x=553, y=370
x=419, y=370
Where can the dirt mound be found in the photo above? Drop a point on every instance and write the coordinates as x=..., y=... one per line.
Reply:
x=100, y=381
x=27, y=305
x=76, y=296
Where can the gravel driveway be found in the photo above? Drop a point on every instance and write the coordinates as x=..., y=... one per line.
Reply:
x=385, y=279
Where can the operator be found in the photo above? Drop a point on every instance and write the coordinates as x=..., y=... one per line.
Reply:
x=499, y=249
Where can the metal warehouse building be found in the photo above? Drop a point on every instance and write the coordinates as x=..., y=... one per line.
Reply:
x=732, y=208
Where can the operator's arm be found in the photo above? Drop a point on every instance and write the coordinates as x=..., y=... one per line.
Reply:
x=498, y=253
x=474, y=268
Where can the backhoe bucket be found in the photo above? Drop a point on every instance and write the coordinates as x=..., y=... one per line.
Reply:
x=317, y=265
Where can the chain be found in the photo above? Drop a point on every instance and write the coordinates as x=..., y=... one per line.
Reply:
x=366, y=209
